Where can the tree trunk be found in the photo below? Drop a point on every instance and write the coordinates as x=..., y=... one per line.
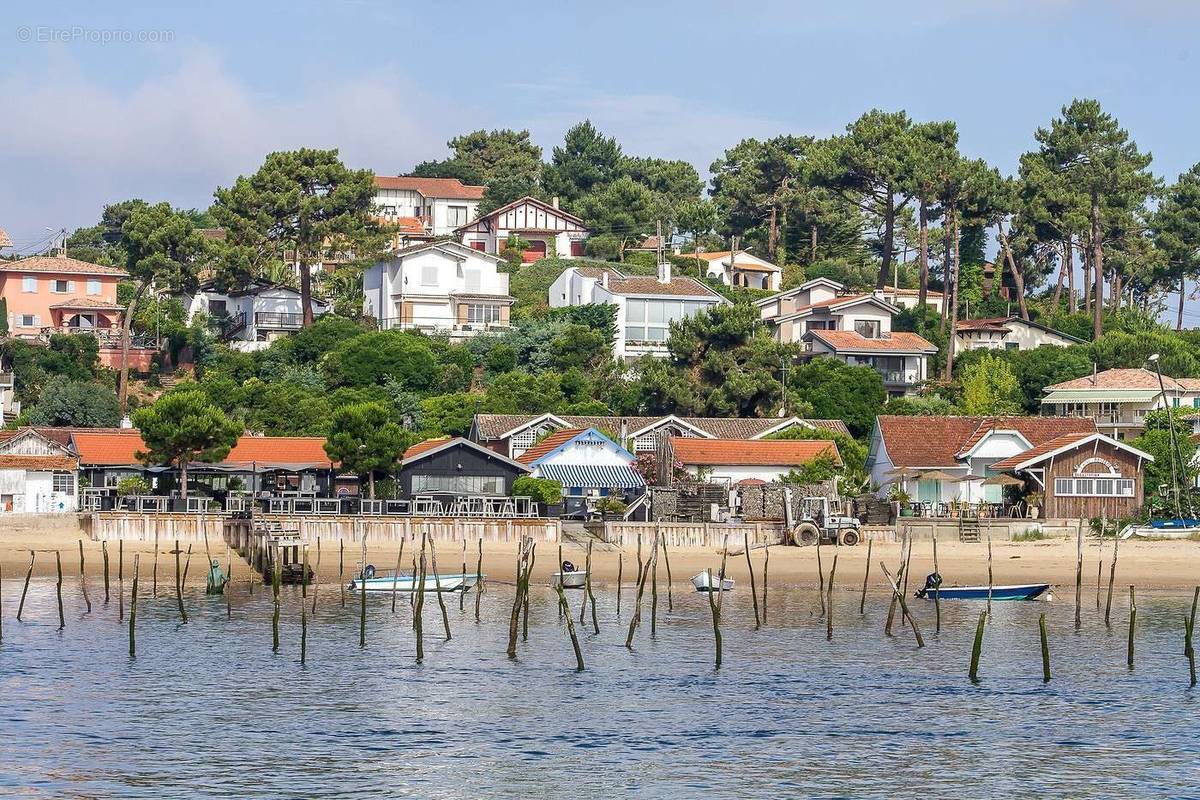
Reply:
x=947, y=246
x=951, y=291
x=126, y=324
x=1063, y=266
x=1179, y=313
x=889, y=240
x=1018, y=277
x=305, y=294
x=812, y=244
x=923, y=255
x=1086, y=289
x=1098, y=269
x=371, y=483
x=1115, y=290
x=773, y=236
x=1069, y=255
x=781, y=243
x=183, y=465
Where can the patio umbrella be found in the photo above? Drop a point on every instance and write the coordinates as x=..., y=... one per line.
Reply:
x=938, y=475
x=966, y=478
x=903, y=474
x=1003, y=480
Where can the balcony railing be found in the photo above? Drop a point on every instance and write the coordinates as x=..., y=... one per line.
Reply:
x=107, y=337
x=6, y=380
x=278, y=320
x=437, y=325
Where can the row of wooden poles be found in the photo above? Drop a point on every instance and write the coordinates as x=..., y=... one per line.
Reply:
x=424, y=565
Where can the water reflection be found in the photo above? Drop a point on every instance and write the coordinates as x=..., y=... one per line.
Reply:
x=207, y=710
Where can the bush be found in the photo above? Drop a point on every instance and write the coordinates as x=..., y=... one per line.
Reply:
x=134, y=484
x=542, y=490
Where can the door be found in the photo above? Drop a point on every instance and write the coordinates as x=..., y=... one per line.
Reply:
x=537, y=249
x=576, y=249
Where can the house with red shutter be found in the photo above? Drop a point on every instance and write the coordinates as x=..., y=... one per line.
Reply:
x=548, y=229
x=424, y=208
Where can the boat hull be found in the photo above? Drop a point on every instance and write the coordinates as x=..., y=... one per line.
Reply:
x=1164, y=529
x=701, y=583
x=406, y=583
x=570, y=580
x=1029, y=591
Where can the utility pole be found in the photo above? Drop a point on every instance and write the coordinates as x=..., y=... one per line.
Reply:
x=733, y=249
x=783, y=371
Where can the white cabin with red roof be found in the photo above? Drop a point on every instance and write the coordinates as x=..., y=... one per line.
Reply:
x=742, y=269
x=548, y=229
x=425, y=207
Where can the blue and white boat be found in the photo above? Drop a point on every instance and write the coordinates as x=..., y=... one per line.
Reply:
x=407, y=583
x=1185, y=528
x=1020, y=591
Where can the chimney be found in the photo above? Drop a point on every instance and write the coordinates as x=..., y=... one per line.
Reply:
x=664, y=271
x=554, y=201
x=604, y=279
x=1093, y=373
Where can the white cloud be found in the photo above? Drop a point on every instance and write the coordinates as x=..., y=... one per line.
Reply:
x=70, y=144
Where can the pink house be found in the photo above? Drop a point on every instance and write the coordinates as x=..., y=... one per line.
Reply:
x=57, y=294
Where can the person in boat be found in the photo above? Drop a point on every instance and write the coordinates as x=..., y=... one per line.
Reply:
x=567, y=567
x=933, y=581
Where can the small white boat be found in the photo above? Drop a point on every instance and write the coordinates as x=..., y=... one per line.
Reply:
x=701, y=582
x=407, y=583
x=1164, y=529
x=570, y=580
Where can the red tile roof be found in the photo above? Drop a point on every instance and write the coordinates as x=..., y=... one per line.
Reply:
x=759, y=452
x=896, y=341
x=36, y=462
x=996, y=324
x=1136, y=378
x=421, y=447
x=404, y=225
x=61, y=265
x=449, y=188
x=938, y=441
x=88, y=302
x=677, y=287
x=551, y=442
x=108, y=448
x=1041, y=450
x=117, y=448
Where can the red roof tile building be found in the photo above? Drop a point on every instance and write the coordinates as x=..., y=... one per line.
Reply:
x=547, y=228
x=735, y=459
x=1118, y=400
x=425, y=207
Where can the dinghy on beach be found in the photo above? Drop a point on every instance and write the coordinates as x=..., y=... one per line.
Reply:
x=1164, y=529
x=408, y=583
x=702, y=584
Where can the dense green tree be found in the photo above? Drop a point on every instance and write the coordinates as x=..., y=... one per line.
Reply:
x=990, y=388
x=505, y=161
x=377, y=356
x=183, y=427
x=366, y=441
x=586, y=162
x=305, y=201
x=836, y=390
x=449, y=414
x=675, y=182
x=162, y=248
x=934, y=154
x=753, y=185
x=76, y=404
x=1174, y=465
x=624, y=210
x=519, y=392
x=1176, y=225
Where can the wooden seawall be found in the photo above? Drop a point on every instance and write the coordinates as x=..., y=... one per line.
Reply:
x=104, y=526
x=692, y=534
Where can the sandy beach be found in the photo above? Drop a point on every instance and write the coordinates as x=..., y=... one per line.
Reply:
x=1151, y=566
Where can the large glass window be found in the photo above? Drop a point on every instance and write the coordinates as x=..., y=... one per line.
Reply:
x=480, y=314
x=456, y=215
x=868, y=328
x=64, y=482
x=458, y=484
x=650, y=320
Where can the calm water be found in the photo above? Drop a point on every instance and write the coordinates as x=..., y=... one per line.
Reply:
x=206, y=710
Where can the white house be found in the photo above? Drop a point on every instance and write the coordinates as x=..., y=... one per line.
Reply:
x=251, y=318
x=1007, y=333
x=646, y=306
x=1118, y=400
x=438, y=286
x=731, y=461
x=854, y=328
x=549, y=230
x=37, y=473
x=587, y=463
x=962, y=447
x=908, y=299
x=425, y=206
x=742, y=269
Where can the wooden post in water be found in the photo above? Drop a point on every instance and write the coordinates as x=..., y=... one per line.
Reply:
x=620, y=569
x=437, y=585
x=1132, y=620
x=187, y=564
x=766, y=563
x=25, y=589
x=1112, y=576
x=937, y=595
x=479, y=579
x=515, y=617
x=829, y=600
x=715, y=608
x=820, y=576
x=587, y=588
x=1100, y=567
x=990, y=581
x=419, y=600
x=362, y=593
x=154, y=580
x=897, y=593
x=721, y=584
x=62, y=622
x=276, y=580
x=566, y=612
x=1189, y=629
x=667, y=563
x=133, y=598
x=1045, y=649
x=304, y=609
x=462, y=596
x=907, y=564
x=120, y=579
x=83, y=580
x=654, y=584
x=1078, y=574
x=342, y=569
x=525, y=590
x=179, y=585
x=639, y=590
x=753, y=588
x=396, y=574
x=977, y=648
x=104, y=556
x=887, y=628
x=862, y=603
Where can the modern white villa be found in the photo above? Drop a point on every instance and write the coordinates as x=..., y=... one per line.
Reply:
x=253, y=317
x=1007, y=333
x=740, y=269
x=646, y=306
x=425, y=206
x=440, y=286
x=1118, y=400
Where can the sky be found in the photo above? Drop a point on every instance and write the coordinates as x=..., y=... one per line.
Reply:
x=101, y=102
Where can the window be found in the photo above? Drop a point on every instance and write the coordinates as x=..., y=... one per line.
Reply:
x=64, y=482
x=61, y=287
x=456, y=215
x=1175, y=402
x=1106, y=486
x=480, y=314
x=1012, y=346
x=478, y=246
x=458, y=484
x=29, y=283
x=429, y=276
x=650, y=320
x=387, y=211
x=218, y=308
x=416, y=211
x=867, y=328
x=93, y=286
x=30, y=321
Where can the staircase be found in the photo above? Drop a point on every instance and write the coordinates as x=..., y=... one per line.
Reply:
x=968, y=529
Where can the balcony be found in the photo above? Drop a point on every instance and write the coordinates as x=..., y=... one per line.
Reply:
x=107, y=337
x=6, y=380
x=278, y=321
x=438, y=325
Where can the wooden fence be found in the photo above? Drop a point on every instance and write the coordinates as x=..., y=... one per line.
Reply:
x=103, y=526
x=691, y=534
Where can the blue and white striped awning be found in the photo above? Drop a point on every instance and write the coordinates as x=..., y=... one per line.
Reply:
x=593, y=476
